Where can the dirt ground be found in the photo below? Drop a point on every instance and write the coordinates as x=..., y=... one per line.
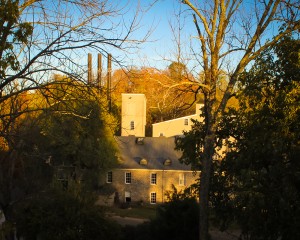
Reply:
x=228, y=235
x=128, y=220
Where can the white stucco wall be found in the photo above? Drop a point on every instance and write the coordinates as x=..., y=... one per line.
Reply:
x=176, y=126
x=133, y=109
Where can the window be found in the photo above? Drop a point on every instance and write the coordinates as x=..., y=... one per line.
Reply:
x=128, y=177
x=161, y=134
x=132, y=125
x=181, y=179
x=168, y=162
x=186, y=121
x=109, y=177
x=153, y=197
x=153, y=178
x=143, y=162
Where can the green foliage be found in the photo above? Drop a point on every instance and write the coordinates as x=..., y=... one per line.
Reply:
x=60, y=215
x=262, y=171
x=191, y=192
x=13, y=32
x=78, y=134
x=191, y=145
x=177, y=71
x=177, y=219
x=68, y=145
x=23, y=167
x=274, y=69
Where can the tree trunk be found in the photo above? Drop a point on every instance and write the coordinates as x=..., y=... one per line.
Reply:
x=204, y=186
x=7, y=212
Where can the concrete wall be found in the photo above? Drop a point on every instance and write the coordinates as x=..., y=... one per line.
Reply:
x=176, y=126
x=141, y=187
x=133, y=109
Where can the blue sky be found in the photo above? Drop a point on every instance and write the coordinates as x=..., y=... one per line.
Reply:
x=159, y=50
x=160, y=43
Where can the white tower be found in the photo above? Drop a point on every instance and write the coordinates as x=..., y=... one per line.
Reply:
x=133, y=114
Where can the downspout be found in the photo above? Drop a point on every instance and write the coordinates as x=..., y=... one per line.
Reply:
x=162, y=185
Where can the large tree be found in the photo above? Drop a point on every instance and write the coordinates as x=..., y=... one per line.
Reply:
x=69, y=141
x=230, y=34
x=79, y=133
x=261, y=190
x=42, y=38
x=39, y=38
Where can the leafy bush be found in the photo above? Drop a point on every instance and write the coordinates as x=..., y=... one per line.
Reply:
x=177, y=219
x=60, y=215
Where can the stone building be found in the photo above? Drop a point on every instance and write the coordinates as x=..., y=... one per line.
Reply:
x=148, y=166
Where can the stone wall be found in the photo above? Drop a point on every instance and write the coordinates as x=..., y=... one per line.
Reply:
x=140, y=188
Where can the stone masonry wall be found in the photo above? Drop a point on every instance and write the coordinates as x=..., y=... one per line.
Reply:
x=140, y=187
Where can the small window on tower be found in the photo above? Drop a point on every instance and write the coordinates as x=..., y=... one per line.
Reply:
x=186, y=121
x=132, y=125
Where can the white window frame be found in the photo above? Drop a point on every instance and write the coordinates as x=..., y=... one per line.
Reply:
x=128, y=178
x=109, y=177
x=153, y=178
x=181, y=179
x=153, y=197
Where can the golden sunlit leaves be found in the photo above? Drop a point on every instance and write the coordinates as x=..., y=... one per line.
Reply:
x=167, y=97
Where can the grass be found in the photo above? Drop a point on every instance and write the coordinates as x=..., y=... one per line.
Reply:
x=147, y=212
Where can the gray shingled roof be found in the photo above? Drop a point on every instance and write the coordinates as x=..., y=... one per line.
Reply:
x=156, y=150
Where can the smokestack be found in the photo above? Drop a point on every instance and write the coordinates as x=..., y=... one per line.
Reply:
x=109, y=81
x=89, y=68
x=99, y=72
